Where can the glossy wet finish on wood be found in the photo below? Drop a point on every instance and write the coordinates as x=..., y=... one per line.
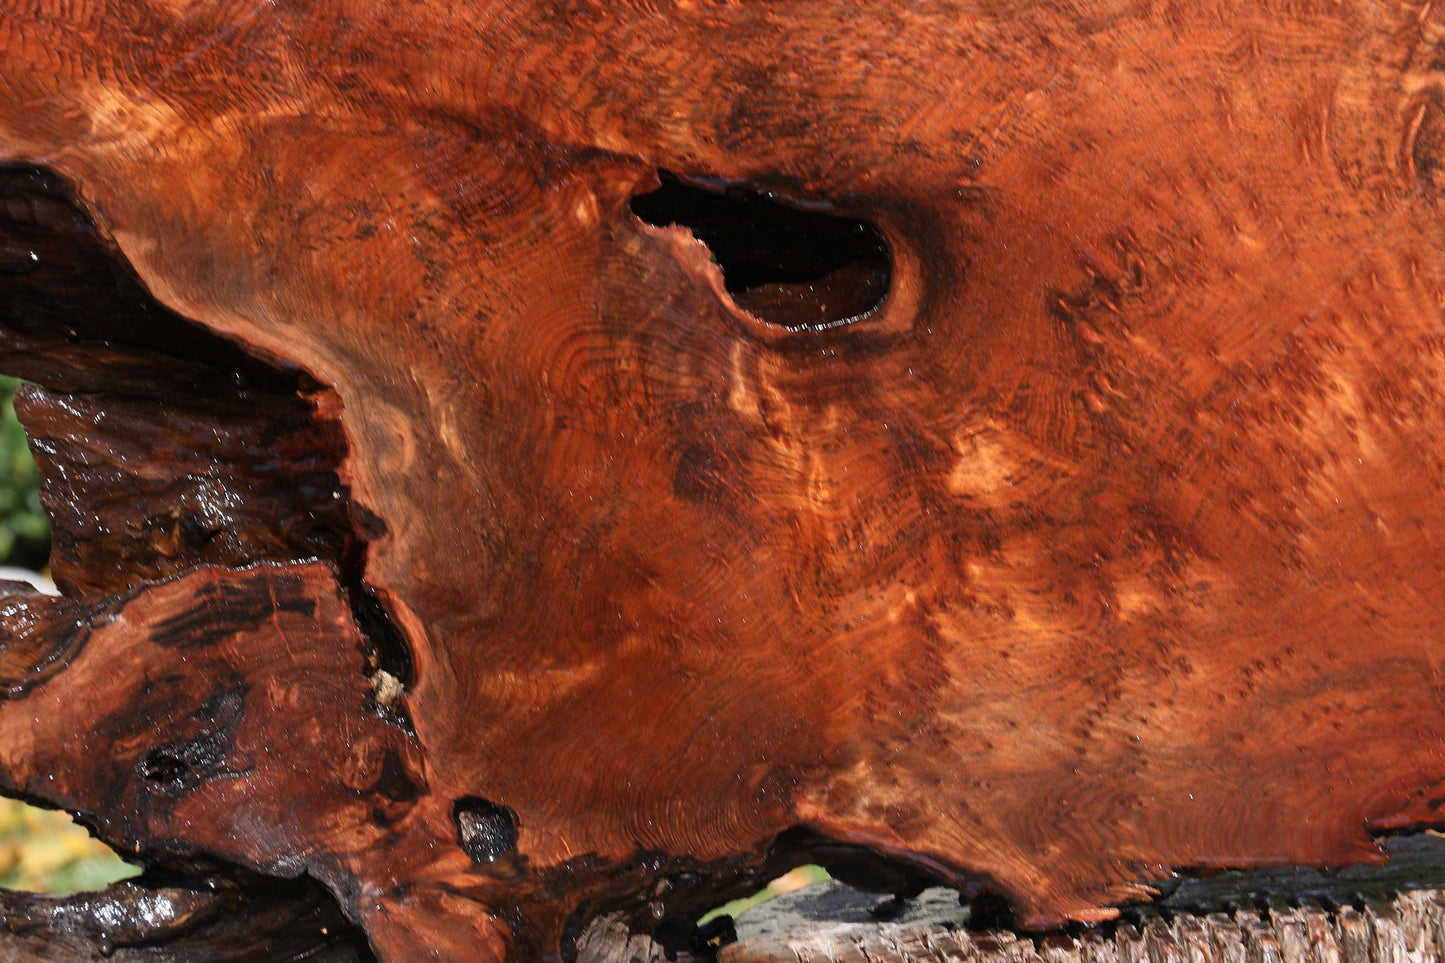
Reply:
x=1105, y=547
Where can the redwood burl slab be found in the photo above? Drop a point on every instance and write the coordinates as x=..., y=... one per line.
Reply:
x=438, y=522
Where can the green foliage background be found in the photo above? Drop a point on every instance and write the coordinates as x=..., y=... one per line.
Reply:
x=44, y=851
x=24, y=529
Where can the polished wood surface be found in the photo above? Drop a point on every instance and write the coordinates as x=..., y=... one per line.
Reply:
x=1104, y=548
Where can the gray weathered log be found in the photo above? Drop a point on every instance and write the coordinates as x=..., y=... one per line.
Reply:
x=1361, y=914
x=1407, y=929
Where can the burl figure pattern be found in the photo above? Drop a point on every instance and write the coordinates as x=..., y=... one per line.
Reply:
x=432, y=524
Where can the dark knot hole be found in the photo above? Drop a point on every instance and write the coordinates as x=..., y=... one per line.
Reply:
x=485, y=831
x=802, y=268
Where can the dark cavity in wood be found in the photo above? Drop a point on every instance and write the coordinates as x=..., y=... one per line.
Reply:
x=161, y=445
x=801, y=266
x=485, y=831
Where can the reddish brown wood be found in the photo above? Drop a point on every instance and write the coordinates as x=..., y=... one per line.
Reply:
x=1107, y=547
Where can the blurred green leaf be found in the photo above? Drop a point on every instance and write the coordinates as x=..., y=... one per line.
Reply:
x=797, y=878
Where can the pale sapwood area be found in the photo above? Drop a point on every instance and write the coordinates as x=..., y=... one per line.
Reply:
x=1020, y=471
